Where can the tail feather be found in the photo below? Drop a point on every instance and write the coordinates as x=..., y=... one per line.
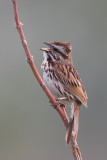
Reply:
x=73, y=123
x=76, y=119
x=69, y=131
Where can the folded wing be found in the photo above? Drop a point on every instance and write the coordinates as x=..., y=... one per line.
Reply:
x=69, y=77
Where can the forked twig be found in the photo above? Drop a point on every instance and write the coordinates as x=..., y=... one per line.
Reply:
x=61, y=110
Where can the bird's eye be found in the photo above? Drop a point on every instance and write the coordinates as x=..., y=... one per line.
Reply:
x=55, y=49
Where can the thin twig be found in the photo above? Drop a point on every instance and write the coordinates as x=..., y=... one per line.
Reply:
x=61, y=110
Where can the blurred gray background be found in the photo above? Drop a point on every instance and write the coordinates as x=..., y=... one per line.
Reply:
x=29, y=128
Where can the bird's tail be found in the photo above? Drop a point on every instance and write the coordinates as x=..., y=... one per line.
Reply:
x=73, y=124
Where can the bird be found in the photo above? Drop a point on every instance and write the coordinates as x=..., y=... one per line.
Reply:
x=63, y=81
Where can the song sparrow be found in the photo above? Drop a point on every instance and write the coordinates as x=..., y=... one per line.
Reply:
x=63, y=81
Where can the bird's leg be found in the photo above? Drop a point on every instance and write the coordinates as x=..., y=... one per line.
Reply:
x=70, y=126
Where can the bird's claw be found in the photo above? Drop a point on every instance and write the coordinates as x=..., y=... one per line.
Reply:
x=57, y=104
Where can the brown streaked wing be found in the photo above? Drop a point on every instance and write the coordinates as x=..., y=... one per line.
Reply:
x=71, y=81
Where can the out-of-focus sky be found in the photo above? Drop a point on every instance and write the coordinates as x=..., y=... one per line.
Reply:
x=29, y=128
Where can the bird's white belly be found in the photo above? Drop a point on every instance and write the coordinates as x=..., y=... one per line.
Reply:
x=53, y=84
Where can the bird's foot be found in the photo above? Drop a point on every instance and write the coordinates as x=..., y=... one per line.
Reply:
x=58, y=103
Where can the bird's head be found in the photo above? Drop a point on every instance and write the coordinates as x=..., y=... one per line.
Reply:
x=57, y=50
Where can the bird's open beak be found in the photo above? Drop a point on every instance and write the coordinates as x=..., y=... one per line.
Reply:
x=46, y=49
x=48, y=44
